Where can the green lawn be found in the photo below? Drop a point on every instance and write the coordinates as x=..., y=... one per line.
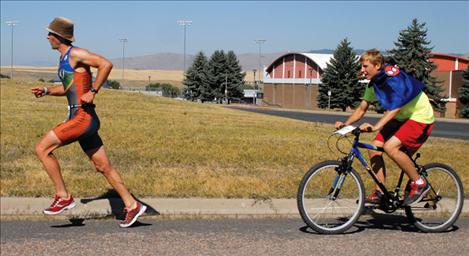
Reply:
x=171, y=148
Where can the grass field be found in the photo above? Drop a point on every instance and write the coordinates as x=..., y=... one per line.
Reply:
x=133, y=77
x=171, y=148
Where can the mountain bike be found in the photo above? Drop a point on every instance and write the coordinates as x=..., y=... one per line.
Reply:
x=331, y=195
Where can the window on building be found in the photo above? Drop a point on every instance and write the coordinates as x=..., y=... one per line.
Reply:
x=288, y=74
x=299, y=74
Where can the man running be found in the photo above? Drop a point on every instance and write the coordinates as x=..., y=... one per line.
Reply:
x=82, y=123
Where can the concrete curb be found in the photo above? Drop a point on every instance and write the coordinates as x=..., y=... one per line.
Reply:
x=156, y=206
x=11, y=206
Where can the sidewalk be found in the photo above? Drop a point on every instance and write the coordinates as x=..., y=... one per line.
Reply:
x=86, y=208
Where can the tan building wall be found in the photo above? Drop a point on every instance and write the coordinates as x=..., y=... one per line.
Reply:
x=291, y=95
x=452, y=81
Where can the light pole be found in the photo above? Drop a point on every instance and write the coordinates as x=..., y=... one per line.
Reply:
x=123, y=41
x=185, y=24
x=254, y=81
x=260, y=42
x=226, y=89
x=310, y=76
x=12, y=24
x=329, y=102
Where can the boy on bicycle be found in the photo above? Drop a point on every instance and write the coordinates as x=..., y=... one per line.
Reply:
x=406, y=124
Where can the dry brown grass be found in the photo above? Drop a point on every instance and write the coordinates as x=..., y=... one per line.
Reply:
x=133, y=77
x=170, y=148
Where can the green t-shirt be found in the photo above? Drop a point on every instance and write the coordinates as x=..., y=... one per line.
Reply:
x=419, y=109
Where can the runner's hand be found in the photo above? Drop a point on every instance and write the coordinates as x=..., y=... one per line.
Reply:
x=38, y=91
x=87, y=97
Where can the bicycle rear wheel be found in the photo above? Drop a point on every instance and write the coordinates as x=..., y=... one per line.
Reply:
x=440, y=208
x=319, y=209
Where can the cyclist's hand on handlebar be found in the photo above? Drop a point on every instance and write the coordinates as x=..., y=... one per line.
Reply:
x=366, y=127
x=339, y=125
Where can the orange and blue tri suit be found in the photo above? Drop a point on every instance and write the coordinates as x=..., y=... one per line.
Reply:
x=82, y=123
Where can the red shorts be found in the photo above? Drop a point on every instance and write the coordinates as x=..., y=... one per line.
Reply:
x=412, y=134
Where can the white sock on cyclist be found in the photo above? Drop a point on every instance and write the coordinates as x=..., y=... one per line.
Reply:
x=420, y=181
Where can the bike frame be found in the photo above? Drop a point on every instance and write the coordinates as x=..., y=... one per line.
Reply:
x=391, y=200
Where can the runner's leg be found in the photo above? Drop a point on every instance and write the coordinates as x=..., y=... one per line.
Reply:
x=44, y=149
x=103, y=165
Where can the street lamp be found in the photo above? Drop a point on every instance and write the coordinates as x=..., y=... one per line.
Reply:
x=329, y=102
x=12, y=24
x=184, y=23
x=254, y=81
x=123, y=41
x=260, y=42
x=226, y=89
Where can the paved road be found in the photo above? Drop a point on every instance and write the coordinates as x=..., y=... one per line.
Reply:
x=445, y=129
x=379, y=235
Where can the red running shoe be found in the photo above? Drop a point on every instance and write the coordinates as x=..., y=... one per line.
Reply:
x=132, y=215
x=59, y=205
x=415, y=193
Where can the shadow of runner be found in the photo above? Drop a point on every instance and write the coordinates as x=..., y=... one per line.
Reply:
x=117, y=205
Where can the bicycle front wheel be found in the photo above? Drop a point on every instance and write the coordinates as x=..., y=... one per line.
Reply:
x=324, y=206
x=440, y=208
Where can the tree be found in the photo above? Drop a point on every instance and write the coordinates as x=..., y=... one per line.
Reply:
x=412, y=53
x=167, y=90
x=217, y=76
x=341, y=79
x=464, y=94
x=113, y=84
x=196, y=83
x=235, y=76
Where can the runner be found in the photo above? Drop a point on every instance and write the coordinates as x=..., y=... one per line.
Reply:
x=82, y=123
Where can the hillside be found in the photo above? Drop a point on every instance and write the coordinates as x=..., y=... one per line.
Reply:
x=175, y=61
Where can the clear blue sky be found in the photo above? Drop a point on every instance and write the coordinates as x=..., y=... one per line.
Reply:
x=151, y=27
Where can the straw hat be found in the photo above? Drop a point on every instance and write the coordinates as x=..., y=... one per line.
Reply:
x=62, y=27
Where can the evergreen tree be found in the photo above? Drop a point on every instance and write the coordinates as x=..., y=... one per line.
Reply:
x=235, y=76
x=412, y=53
x=341, y=78
x=464, y=94
x=217, y=76
x=196, y=82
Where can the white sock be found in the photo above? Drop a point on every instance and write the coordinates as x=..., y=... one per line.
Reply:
x=420, y=181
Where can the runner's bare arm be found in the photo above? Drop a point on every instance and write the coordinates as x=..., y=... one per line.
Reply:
x=50, y=90
x=103, y=65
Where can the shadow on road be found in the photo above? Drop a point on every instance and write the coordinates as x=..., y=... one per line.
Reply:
x=380, y=221
x=117, y=210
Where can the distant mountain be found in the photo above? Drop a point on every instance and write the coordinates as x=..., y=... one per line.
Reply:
x=175, y=61
x=330, y=51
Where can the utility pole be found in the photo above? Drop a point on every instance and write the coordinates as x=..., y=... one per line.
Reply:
x=123, y=41
x=185, y=24
x=12, y=24
x=254, y=81
x=260, y=42
x=226, y=88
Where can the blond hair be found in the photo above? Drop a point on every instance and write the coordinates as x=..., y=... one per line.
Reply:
x=374, y=56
